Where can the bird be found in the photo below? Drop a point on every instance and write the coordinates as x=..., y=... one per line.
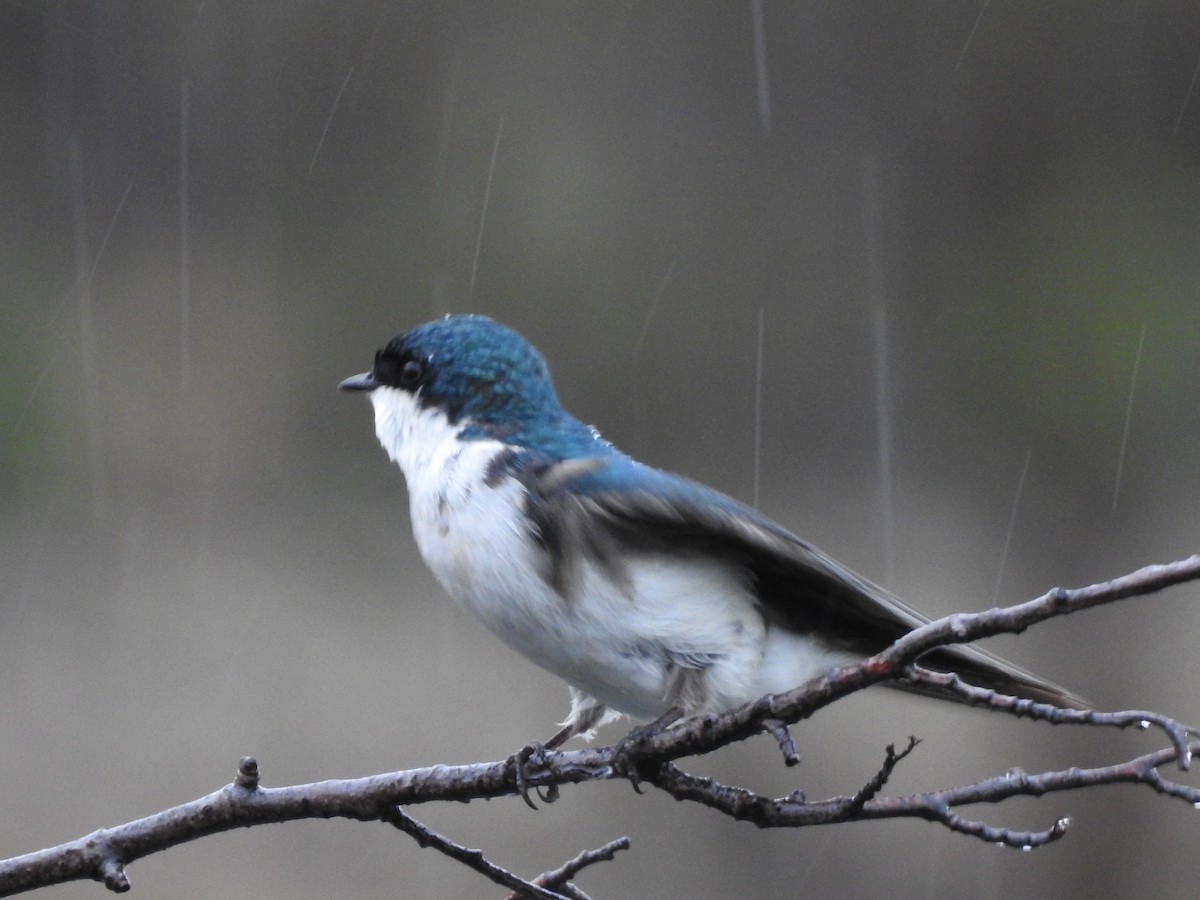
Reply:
x=650, y=594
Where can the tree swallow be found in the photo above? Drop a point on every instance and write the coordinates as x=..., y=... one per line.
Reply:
x=645, y=591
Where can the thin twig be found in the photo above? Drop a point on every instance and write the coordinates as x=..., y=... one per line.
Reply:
x=872, y=788
x=794, y=811
x=783, y=737
x=558, y=879
x=1179, y=734
x=472, y=859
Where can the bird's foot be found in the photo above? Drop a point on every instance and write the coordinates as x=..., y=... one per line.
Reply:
x=525, y=762
x=532, y=757
x=629, y=748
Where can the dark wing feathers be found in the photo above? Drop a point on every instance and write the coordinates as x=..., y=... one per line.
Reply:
x=605, y=506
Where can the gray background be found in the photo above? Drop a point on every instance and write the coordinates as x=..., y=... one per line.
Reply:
x=957, y=221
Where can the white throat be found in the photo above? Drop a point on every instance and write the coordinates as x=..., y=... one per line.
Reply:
x=465, y=528
x=417, y=439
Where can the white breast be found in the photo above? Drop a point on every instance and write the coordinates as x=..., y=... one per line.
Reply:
x=621, y=644
x=472, y=535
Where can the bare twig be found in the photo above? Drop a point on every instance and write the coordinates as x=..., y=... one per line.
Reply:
x=559, y=879
x=472, y=859
x=1179, y=734
x=1025, y=840
x=783, y=737
x=794, y=811
x=876, y=784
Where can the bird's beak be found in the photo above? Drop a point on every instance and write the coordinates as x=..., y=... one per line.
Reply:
x=364, y=382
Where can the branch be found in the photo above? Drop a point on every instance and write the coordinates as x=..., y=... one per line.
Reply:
x=561, y=877
x=541, y=888
x=1178, y=733
x=651, y=754
x=935, y=806
x=474, y=859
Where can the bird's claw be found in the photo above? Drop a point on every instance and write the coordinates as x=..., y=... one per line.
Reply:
x=531, y=756
x=625, y=759
x=629, y=748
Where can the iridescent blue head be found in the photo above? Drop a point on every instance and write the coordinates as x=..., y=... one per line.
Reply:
x=484, y=377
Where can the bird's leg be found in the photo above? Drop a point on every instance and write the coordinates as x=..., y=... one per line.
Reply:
x=644, y=732
x=561, y=737
x=628, y=746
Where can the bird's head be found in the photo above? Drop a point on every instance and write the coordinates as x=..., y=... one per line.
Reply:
x=480, y=378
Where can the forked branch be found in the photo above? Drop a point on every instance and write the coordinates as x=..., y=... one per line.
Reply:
x=652, y=758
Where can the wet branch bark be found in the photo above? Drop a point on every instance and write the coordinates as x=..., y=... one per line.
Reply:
x=651, y=758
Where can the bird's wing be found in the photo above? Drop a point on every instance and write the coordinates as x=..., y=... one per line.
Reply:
x=607, y=506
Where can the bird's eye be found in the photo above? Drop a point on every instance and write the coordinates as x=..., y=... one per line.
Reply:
x=400, y=369
x=411, y=373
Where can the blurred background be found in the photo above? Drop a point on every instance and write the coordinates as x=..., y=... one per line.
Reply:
x=941, y=258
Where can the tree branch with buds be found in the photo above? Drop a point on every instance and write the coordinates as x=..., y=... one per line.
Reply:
x=650, y=756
